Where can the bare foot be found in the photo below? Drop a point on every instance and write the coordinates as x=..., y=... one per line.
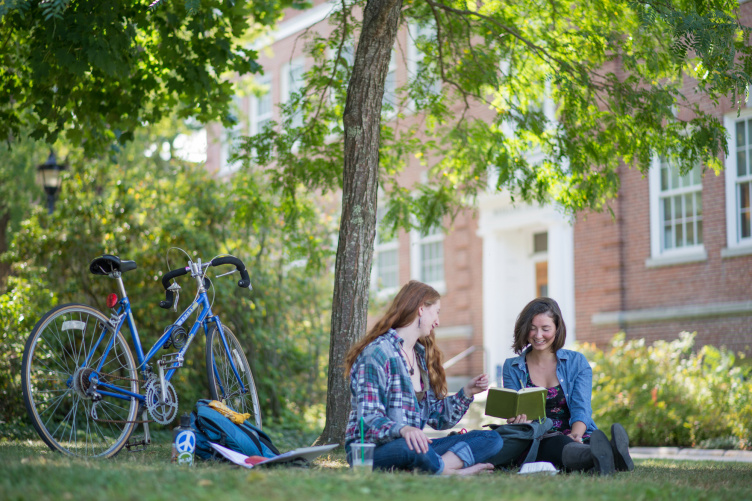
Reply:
x=471, y=470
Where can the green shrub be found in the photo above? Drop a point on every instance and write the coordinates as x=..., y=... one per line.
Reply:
x=16, y=321
x=669, y=395
x=138, y=209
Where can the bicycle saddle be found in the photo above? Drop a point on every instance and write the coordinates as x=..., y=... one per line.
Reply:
x=107, y=263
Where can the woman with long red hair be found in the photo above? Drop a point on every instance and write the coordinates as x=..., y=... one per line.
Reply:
x=398, y=385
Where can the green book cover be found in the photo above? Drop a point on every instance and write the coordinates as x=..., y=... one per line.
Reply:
x=506, y=403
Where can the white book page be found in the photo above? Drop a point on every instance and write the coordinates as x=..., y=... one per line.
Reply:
x=529, y=390
x=233, y=456
x=307, y=453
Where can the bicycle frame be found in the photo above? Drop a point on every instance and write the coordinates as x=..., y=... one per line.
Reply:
x=124, y=314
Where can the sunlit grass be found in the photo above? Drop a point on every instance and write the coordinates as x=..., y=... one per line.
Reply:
x=31, y=471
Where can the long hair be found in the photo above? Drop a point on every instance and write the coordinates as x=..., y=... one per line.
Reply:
x=401, y=313
x=525, y=319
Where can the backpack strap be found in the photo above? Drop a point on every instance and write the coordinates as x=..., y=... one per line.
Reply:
x=253, y=436
x=262, y=437
x=539, y=429
x=268, y=442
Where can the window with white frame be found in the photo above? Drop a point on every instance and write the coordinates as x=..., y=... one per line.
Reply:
x=385, y=273
x=293, y=81
x=427, y=257
x=676, y=210
x=420, y=35
x=740, y=183
x=261, y=105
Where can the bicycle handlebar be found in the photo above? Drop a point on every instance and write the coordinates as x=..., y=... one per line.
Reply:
x=244, y=282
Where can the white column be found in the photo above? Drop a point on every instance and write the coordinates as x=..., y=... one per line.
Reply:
x=493, y=259
x=561, y=272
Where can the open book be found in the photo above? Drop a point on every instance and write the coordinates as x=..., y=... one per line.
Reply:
x=304, y=453
x=506, y=403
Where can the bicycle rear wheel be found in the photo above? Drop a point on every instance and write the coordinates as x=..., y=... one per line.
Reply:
x=223, y=384
x=60, y=355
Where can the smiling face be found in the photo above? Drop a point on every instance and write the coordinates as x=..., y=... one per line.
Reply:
x=542, y=332
x=429, y=318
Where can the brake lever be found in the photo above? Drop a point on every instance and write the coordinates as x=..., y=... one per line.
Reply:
x=176, y=288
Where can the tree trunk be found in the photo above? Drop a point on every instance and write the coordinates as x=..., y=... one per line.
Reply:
x=352, y=275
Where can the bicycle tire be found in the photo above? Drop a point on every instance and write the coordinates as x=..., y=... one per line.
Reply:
x=54, y=379
x=223, y=382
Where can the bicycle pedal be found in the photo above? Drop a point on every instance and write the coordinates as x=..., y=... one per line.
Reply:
x=171, y=361
x=135, y=442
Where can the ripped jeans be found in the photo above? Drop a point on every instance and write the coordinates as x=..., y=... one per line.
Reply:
x=472, y=447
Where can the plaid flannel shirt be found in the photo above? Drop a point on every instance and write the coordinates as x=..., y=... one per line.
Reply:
x=382, y=394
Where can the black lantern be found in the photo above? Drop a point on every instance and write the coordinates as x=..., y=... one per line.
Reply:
x=48, y=175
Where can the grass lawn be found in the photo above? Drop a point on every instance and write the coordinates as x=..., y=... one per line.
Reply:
x=29, y=471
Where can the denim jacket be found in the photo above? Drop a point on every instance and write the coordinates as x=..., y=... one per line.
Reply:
x=575, y=376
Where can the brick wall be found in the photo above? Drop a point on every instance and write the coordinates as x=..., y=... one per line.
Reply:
x=610, y=278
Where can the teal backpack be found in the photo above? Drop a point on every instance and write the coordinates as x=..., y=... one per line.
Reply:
x=211, y=426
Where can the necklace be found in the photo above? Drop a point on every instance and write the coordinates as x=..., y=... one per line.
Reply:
x=407, y=359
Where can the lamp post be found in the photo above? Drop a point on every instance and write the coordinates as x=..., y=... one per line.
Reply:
x=48, y=175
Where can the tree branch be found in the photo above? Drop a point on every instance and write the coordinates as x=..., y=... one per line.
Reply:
x=534, y=47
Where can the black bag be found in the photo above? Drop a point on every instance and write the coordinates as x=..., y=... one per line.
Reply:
x=517, y=439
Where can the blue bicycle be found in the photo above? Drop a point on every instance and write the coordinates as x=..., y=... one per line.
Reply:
x=81, y=384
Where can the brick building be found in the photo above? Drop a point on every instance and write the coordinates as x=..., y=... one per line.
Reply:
x=676, y=256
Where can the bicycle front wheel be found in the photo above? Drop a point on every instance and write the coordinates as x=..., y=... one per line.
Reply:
x=223, y=384
x=67, y=346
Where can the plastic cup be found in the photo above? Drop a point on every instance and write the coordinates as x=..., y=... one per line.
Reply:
x=362, y=456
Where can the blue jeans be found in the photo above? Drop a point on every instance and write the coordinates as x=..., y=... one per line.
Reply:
x=472, y=447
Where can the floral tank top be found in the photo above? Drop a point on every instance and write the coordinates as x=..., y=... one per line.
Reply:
x=557, y=409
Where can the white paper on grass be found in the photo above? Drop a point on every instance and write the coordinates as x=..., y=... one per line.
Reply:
x=307, y=453
x=235, y=457
x=543, y=467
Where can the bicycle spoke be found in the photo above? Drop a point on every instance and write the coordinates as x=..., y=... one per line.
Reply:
x=86, y=329
x=73, y=420
x=224, y=384
x=52, y=390
x=64, y=375
x=62, y=345
x=59, y=401
x=99, y=433
x=58, y=353
x=60, y=362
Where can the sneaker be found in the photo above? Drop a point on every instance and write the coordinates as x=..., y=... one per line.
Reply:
x=603, y=454
x=620, y=445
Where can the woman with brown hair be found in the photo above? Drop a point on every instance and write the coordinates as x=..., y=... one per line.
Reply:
x=575, y=442
x=398, y=385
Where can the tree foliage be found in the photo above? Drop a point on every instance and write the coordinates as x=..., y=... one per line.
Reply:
x=17, y=189
x=95, y=71
x=546, y=100
x=574, y=89
x=138, y=209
